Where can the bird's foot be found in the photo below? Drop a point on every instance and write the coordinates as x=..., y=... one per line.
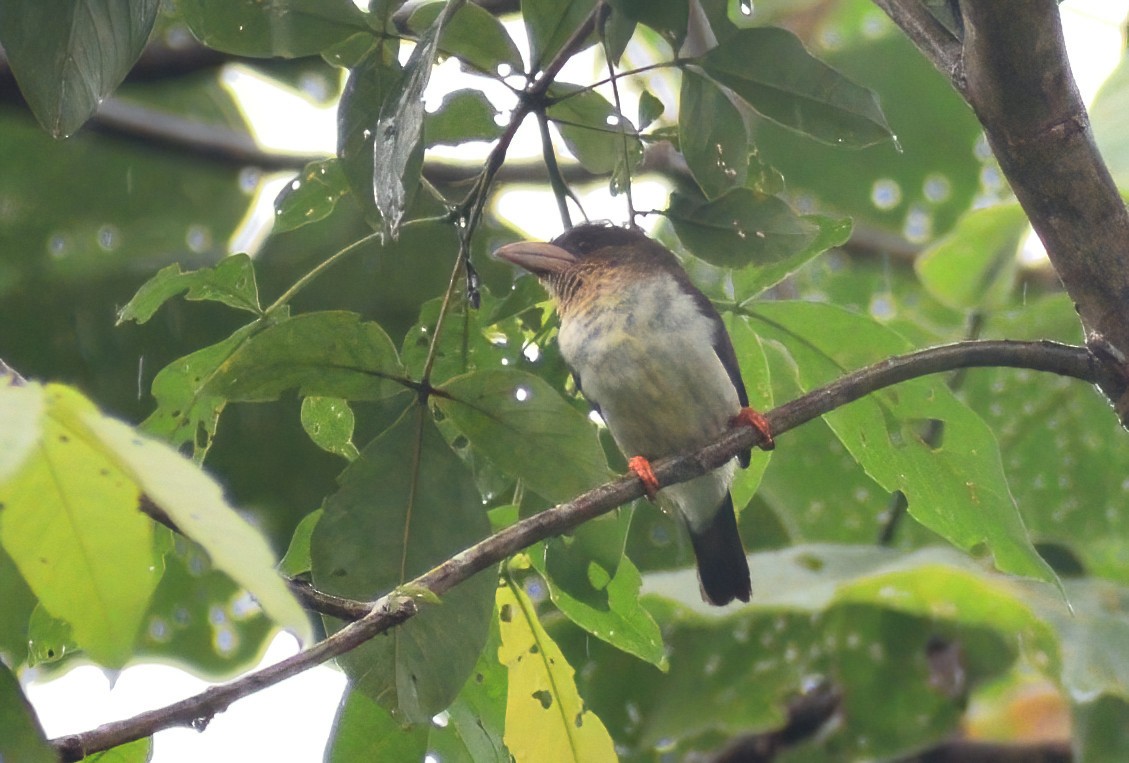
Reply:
x=641, y=468
x=755, y=419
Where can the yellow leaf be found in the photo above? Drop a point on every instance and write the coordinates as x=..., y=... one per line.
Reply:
x=546, y=720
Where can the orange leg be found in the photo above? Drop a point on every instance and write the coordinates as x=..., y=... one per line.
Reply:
x=641, y=468
x=756, y=420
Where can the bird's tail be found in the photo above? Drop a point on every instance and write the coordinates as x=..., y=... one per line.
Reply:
x=723, y=570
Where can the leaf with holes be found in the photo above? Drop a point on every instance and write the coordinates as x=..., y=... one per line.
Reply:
x=544, y=711
x=818, y=626
x=959, y=490
x=329, y=422
x=231, y=282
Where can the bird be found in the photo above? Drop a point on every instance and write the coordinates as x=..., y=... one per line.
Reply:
x=649, y=352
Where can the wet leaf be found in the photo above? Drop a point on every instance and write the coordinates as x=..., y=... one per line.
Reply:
x=716, y=148
x=68, y=55
x=311, y=196
x=329, y=422
x=771, y=71
x=590, y=128
x=744, y=228
x=397, y=135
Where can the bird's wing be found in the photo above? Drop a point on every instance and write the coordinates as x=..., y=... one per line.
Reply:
x=723, y=346
x=591, y=402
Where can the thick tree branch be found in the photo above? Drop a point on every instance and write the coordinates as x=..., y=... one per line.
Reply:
x=394, y=608
x=1014, y=73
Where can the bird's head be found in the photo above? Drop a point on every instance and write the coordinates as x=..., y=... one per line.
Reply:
x=591, y=261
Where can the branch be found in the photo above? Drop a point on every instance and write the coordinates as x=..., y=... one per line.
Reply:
x=1014, y=73
x=394, y=608
x=929, y=35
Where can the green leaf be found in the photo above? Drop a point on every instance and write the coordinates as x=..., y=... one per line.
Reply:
x=650, y=109
x=49, y=638
x=138, y=751
x=68, y=55
x=19, y=604
x=917, y=193
x=329, y=423
x=398, y=132
x=196, y=505
x=1069, y=478
x=473, y=35
x=521, y=424
x=1107, y=115
x=959, y=490
x=231, y=282
x=974, y=266
x=297, y=558
x=590, y=128
x=717, y=148
x=476, y=720
x=406, y=504
x=751, y=281
x=464, y=115
x=311, y=196
x=550, y=24
x=744, y=228
x=770, y=70
x=21, y=736
x=544, y=711
x=820, y=616
x=595, y=586
x=363, y=730
x=70, y=523
x=668, y=19
x=371, y=84
x=286, y=28
x=758, y=386
x=328, y=354
x=185, y=413
x=200, y=618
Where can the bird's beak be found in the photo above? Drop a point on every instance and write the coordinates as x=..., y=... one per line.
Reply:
x=537, y=257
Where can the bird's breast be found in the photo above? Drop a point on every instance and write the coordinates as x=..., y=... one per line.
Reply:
x=645, y=355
